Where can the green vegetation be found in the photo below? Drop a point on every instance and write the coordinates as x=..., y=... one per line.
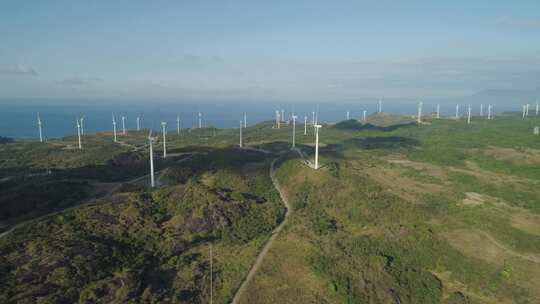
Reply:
x=442, y=212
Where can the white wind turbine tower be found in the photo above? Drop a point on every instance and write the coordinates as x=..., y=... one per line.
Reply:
x=241, y=145
x=523, y=112
x=163, y=127
x=123, y=125
x=380, y=106
x=151, y=141
x=293, y=129
x=457, y=111
x=305, y=125
x=178, y=124
x=481, y=109
x=489, y=112
x=282, y=115
x=527, y=110
x=469, y=115
x=438, y=111
x=114, y=127
x=82, y=125
x=138, y=123
x=200, y=120
x=79, y=133
x=313, y=118
x=348, y=117
x=364, y=116
x=278, y=118
x=245, y=120
x=537, y=107
x=419, y=116
x=39, y=127
x=317, y=127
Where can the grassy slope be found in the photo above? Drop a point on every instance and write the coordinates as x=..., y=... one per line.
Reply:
x=354, y=238
x=390, y=217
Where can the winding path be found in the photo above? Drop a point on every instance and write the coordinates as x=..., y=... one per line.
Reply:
x=270, y=241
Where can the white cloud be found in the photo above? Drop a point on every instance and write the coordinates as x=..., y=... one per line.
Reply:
x=79, y=81
x=18, y=70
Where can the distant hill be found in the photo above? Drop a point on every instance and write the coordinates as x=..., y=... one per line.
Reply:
x=377, y=121
x=386, y=120
x=5, y=140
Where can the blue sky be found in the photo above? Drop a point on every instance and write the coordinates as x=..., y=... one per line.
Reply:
x=290, y=50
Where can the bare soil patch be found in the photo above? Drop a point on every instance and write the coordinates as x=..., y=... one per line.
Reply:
x=429, y=169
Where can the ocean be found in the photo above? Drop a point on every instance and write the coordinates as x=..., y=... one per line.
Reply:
x=18, y=117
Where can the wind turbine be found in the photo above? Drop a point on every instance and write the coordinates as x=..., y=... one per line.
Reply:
x=469, y=115
x=364, y=116
x=523, y=112
x=82, y=125
x=481, y=109
x=151, y=141
x=200, y=120
x=537, y=105
x=278, y=119
x=163, y=126
x=293, y=129
x=114, y=127
x=457, y=111
x=527, y=110
x=380, y=106
x=489, y=112
x=419, y=116
x=79, y=134
x=123, y=125
x=348, y=117
x=245, y=120
x=317, y=127
x=240, y=134
x=282, y=115
x=178, y=124
x=305, y=125
x=41, y=132
x=138, y=123
x=438, y=111
x=313, y=118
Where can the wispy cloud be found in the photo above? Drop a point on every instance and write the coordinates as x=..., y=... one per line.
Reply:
x=21, y=70
x=520, y=23
x=79, y=81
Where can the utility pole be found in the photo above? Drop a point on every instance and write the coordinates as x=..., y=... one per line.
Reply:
x=212, y=272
